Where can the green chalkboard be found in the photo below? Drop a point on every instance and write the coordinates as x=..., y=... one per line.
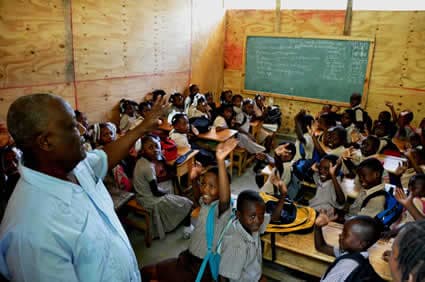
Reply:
x=325, y=69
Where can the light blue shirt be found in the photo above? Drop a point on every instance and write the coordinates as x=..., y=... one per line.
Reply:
x=54, y=230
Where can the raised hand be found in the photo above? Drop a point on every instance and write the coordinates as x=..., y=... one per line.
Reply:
x=402, y=198
x=224, y=149
x=196, y=171
x=333, y=169
x=389, y=104
x=401, y=168
x=348, y=153
x=159, y=109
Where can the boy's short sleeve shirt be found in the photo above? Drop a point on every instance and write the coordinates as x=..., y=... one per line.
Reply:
x=343, y=268
x=374, y=206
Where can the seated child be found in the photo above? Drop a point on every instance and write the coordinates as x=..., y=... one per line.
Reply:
x=177, y=102
x=267, y=131
x=225, y=118
x=226, y=97
x=361, y=118
x=304, y=143
x=407, y=258
x=282, y=169
x=9, y=175
x=167, y=211
x=128, y=115
x=180, y=135
x=193, y=90
x=213, y=191
x=369, y=201
x=241, y=256
x=335, y=140
x=358, y=235
x=144, y=107
x=324, y=122
x=329, y=195
x=243, y=119
x=83, y=127
x=199, y=108
x=403, y=119
x=237, y=104
x=116, y=179
x=347, y=118
x=385, y=132
x=414, y=203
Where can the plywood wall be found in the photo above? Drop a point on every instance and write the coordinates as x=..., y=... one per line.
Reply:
x=93, y=53
x=399, y=60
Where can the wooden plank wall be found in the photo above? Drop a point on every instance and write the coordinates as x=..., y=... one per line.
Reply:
x=93, y=53
x=398, y=66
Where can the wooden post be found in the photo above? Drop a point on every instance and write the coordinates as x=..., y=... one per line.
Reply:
x=277, y=19
x=348, y=17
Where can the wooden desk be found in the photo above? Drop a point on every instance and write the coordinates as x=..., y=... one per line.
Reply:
x=297, y=251
x=120, y=198
x=186, y=166
x=255, y=127
x=220, y=136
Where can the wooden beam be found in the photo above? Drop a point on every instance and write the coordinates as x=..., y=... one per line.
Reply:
x=348, y=17
x=277, y=18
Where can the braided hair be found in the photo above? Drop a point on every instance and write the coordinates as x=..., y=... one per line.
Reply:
x=411, y=251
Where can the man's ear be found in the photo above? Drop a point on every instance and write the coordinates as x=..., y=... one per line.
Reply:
x=43, y=142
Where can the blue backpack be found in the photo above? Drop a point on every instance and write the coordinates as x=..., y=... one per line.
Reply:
x=392, y=209
x=213, y=256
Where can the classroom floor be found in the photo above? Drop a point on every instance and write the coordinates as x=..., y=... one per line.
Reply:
x=174, y=243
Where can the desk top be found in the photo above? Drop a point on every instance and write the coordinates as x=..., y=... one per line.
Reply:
x=304, y=244
x=219, y=136
x=120, y=198
x=181, y=152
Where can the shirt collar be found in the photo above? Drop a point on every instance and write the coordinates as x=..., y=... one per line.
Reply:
x=374, y=189
x=53, y=186
x=245, y=235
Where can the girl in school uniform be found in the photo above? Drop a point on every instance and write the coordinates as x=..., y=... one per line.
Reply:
x=129, y=115
x=211, y=190
x=167, y=211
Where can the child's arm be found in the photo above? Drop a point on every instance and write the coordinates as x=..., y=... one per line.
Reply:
x=333, y=170
x=222, y=151
x=195, y=173
x=298, y=129
x=274, y=179
x=407, y=202
x=410, y=155
x=393, y=112
x=156, y=191
x=319, y=241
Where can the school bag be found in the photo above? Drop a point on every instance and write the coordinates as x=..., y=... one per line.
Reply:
x=202, y=124
x=392, y=209
x=274, y=115
x=169, y=149
x=363, y=272
x=212, y=258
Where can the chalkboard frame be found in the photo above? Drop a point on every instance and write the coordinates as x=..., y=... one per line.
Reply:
x=307, y=99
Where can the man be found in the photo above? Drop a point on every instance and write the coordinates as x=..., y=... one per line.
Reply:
x=60, y=223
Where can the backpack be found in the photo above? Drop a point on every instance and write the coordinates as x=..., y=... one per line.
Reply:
x=363, y=272
x=169, y=149
x=392, y=209
x=202, y=124
x=213, y=256
x=274, y=115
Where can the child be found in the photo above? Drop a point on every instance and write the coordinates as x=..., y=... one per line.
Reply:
x=225, y=118
x=347, y=118
x=335, y=140
x=361, y=117
x=212, y=108
x=329, y=195
x=385, y=132
x=180, y=134
x=243, y=119
x=199, y=108
x=226, y=97
x=370, y=177
x=404, y=130
x=83, y=127
x=414, y=203
x=128, y=115
x=237, y=104
x=177, y=102
x=167, y=211
x=9, y=175
x=144, y=108
x=213, y=189
x=304, y=143
x=358, y=235
x=241, y=257
x=407, y=259
x=193, y=90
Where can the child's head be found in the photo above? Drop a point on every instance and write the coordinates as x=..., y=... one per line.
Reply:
x=347, y=117
x=237, y=100
x=384, y=116
x=107, y=133
x=150, y=148
x=417, y=185
x=193, y=89
x=209, y=185
x=226, y=110
x=355, y=99
x=336, y=136
x=177, y=100
x=248, y=106
x=157, y=93
x=325, y=121
x=281, y=152
x=180, y=123
x=405, y=118
x=202, y=105
x=8, y=161
x=126, y=107
x=210, y=98
x=305, y=122
x=370, y=173
x=81, y=118
x=369, y=146
x=260, y=100
x=226, y=97
x=359, y=234
x=382, y=129
x=325, y=163
x=144, y=108
x=250, y=210
x=415, y=141
x=407, y=260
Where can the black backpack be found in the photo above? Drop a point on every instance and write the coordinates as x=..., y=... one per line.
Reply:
x=202, y=124
x=364, y=272
x=274, y=116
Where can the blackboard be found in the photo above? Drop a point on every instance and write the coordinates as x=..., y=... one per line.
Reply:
x=312, y=68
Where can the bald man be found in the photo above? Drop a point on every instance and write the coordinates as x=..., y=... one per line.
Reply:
x=60, y=223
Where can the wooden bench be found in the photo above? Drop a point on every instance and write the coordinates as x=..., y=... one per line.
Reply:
x=145, y=225
x=297, y=251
